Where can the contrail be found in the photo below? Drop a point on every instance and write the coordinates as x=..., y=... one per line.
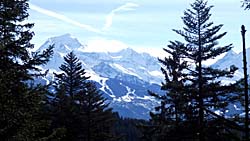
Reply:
x=63, y=18
x=125, y=7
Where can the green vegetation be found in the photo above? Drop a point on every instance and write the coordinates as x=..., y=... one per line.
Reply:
x=21, y=100
x=78, y=106
x=73, y=108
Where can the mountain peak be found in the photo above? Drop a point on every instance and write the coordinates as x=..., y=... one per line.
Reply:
x=66, y=35
x=128, y=52
x=63, y=43
x=231, y=53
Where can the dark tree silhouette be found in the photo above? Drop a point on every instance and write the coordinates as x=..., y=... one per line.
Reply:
x=243, y=31
x=96, y=117
x=197, y=87
x=21, y=100
x=73, y=78
x=172, y=112
x=201, y=37
x=78, y=106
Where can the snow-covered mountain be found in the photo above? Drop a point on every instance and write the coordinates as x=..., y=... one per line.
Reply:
x=236, y=59
x=233, y=58
x=124, y=77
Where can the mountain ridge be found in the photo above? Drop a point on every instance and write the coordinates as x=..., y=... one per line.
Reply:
x=123, y=77
x=233, y=58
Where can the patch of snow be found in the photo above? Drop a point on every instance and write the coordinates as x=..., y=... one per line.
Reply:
x=67, y=47
x=156, y=73
x=105, y=86
x=129, y=96
x=62, y=54
x=143, y=68
x=146, y=97
x=124, y=70
x=118, y=99
x=144, y=105
x=95, y=77
x=126, y=98
x=218, y=112
x=236, y=108
x=81, y=48
x=238, y=75
x=102, y=82
x=116, y=57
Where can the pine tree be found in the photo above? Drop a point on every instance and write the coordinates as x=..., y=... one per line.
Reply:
x=78, y=107
x=67, y=85
x=73, y=77
x=170, y=115
x=193, y=90
x=21, y=101
x=206, y=89
x=95, y=116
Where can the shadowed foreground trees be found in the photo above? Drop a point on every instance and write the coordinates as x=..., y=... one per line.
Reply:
x=193, y=90
x=78, y=111
x=174, y=109
x=21, y=100
x=78, y=105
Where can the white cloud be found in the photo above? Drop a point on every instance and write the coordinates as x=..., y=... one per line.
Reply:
x=125, y=7
x=63, y=18
x=104, y=45
x=107, y=45
x=156, y=52
x=100, y=44
x=108, y=22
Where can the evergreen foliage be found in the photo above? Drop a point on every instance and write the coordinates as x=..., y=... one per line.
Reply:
x=21, y=100
x=174, y=108
x=193, y=89
x=95, y=116
x=73, y=78
x=127, y=129
x=77, y=110
x=78, y=106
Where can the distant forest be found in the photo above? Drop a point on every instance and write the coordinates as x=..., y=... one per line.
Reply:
x=72, y=108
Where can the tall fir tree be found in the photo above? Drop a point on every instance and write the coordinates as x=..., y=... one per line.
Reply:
x=199, y=87
x=73, y=77
x=20, y=101
x=96, y=117
x=67, y=85
x=171, y=114
x=78, y=106
x=206, y=88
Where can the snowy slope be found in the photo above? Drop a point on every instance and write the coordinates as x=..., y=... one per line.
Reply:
x=232, y=58
x=124, y=76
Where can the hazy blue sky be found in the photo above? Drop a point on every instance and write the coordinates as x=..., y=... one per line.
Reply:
x=108, y=25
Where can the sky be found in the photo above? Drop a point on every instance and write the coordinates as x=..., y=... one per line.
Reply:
x=144, y=25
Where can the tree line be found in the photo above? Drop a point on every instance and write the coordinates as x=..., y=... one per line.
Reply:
x=72, y=108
